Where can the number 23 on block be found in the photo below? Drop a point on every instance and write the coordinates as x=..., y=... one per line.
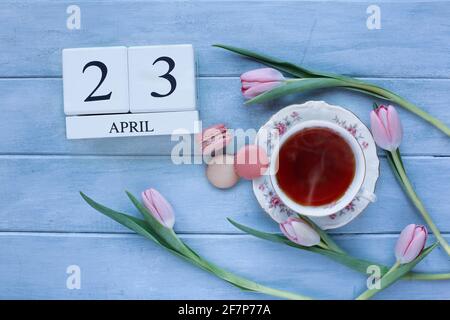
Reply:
x=137, y=79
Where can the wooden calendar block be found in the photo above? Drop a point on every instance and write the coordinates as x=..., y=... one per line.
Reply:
x=162, y=78
x=95, y=80
x=127, y=125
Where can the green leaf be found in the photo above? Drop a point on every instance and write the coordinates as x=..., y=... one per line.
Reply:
x=385, y=94
x=395, y=274
x=356, y=264
x=281, y=65
x=137, y=225
x=144, y=229
x=260, y=234
x=411, y=193
x=352, y=84
x=248, y=285
x=370, y=93
x=296, y=86
x=359, y=265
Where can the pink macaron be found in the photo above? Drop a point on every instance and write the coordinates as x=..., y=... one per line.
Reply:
x=214, y=139
x=251, y=161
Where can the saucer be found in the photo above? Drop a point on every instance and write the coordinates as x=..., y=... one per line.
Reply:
x=291, y=115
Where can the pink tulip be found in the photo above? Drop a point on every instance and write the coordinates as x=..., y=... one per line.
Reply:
x=158, y=206
x=410, y=243
x=258, y=81
x=300, y=232
x=386, y=127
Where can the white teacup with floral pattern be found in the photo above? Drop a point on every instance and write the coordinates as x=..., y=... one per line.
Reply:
x=355, y=188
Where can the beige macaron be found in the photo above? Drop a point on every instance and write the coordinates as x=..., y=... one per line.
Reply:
x=220, y=172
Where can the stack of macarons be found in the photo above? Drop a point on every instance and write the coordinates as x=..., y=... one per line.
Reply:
x=224, y=169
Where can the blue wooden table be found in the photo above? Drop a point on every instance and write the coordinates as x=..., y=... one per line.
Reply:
x=46, y=227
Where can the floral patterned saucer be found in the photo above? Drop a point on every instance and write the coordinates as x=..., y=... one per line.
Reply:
x=280, y=123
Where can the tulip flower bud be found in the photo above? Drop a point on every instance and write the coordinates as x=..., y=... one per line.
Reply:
x=300, y=232
x=386, y=127
x=259, y=81
x=158, y=206
x=410, y=243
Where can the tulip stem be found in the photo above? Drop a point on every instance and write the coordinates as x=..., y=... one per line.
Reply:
x=358, y=85
x=371, y=292
x=406, y=183
x=244, y=283
x=426, y=276
x=235, y=280
x=394, y=267
x=390, y=96
x=321, y=80
x=339, y=255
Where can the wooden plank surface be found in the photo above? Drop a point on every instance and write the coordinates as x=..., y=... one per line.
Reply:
x=320, y=34
x=45, y=226
x=24, y=100
x=127, y=266
x=45, y=193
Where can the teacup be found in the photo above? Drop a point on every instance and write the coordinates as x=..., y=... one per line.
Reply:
x=353, y=190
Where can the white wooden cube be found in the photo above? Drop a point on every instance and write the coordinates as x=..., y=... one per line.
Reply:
x=95, y=80
x=162, y=78
x=129, y=125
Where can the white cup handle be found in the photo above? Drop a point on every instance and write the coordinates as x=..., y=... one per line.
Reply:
x=363, y=193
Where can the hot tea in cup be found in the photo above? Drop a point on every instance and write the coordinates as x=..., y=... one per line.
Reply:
x=318, y=168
